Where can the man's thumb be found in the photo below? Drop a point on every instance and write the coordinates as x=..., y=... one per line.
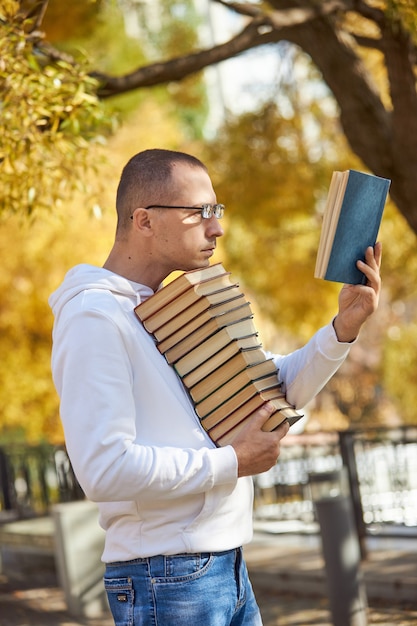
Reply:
x=263, y=414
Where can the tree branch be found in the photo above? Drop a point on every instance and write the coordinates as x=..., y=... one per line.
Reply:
x=287, y=17
x=369, y=12
x=180, y=67
x=241, y=8
x=263, y=28
x=368, y=42
x=38, y=12
x=53, y=54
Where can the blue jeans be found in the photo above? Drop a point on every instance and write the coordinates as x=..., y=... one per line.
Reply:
x=187, y=589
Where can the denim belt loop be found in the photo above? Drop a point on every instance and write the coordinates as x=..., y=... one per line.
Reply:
x=157, y=566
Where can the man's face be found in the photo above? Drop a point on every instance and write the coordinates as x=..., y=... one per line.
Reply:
x=183, y=239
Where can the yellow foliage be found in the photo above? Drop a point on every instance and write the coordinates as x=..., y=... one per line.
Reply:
x=36, y=254
x=50, y=114
x=76, y=18
x=399, y=368
x=273, y=190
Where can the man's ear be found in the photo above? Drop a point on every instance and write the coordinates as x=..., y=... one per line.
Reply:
x=142, y=221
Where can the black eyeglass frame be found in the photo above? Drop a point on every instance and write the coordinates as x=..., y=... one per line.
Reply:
x=207, y=210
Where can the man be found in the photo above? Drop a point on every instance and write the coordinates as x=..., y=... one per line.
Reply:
x=176, y=509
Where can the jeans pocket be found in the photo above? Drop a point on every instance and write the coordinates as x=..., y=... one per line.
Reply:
x=120, y=594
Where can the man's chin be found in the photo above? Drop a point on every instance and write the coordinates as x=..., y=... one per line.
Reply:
x=196, y=265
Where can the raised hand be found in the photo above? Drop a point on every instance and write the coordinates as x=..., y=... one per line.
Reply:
x=358, y=302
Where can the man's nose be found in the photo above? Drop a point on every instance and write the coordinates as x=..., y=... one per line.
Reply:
x=214, y=228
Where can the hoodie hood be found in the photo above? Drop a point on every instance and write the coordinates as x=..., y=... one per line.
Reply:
x=84, y=276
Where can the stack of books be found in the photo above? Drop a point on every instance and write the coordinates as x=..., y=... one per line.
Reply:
x=204, y=327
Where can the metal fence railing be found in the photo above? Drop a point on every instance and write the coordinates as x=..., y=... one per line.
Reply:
x=381, y=465
x=34, y=477
x=386, y=462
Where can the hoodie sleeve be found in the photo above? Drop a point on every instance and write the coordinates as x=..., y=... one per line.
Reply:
x=307, y=370
x=94, y=378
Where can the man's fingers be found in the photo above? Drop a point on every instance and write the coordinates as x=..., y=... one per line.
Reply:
x=378, y=253
x=258, y=450
x=373, y=256
x=263, y=414
x=261, y=417
x=282, y=429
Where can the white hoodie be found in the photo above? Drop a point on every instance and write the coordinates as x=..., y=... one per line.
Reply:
x=134, y=440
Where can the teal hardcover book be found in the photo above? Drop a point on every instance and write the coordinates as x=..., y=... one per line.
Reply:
x=351, y=222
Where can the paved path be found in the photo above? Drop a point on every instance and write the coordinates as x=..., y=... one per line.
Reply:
x=288, y=576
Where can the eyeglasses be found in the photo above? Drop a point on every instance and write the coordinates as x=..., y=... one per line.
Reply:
x=207, y=210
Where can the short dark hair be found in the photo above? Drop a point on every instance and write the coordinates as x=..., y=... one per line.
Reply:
x=146, y=180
